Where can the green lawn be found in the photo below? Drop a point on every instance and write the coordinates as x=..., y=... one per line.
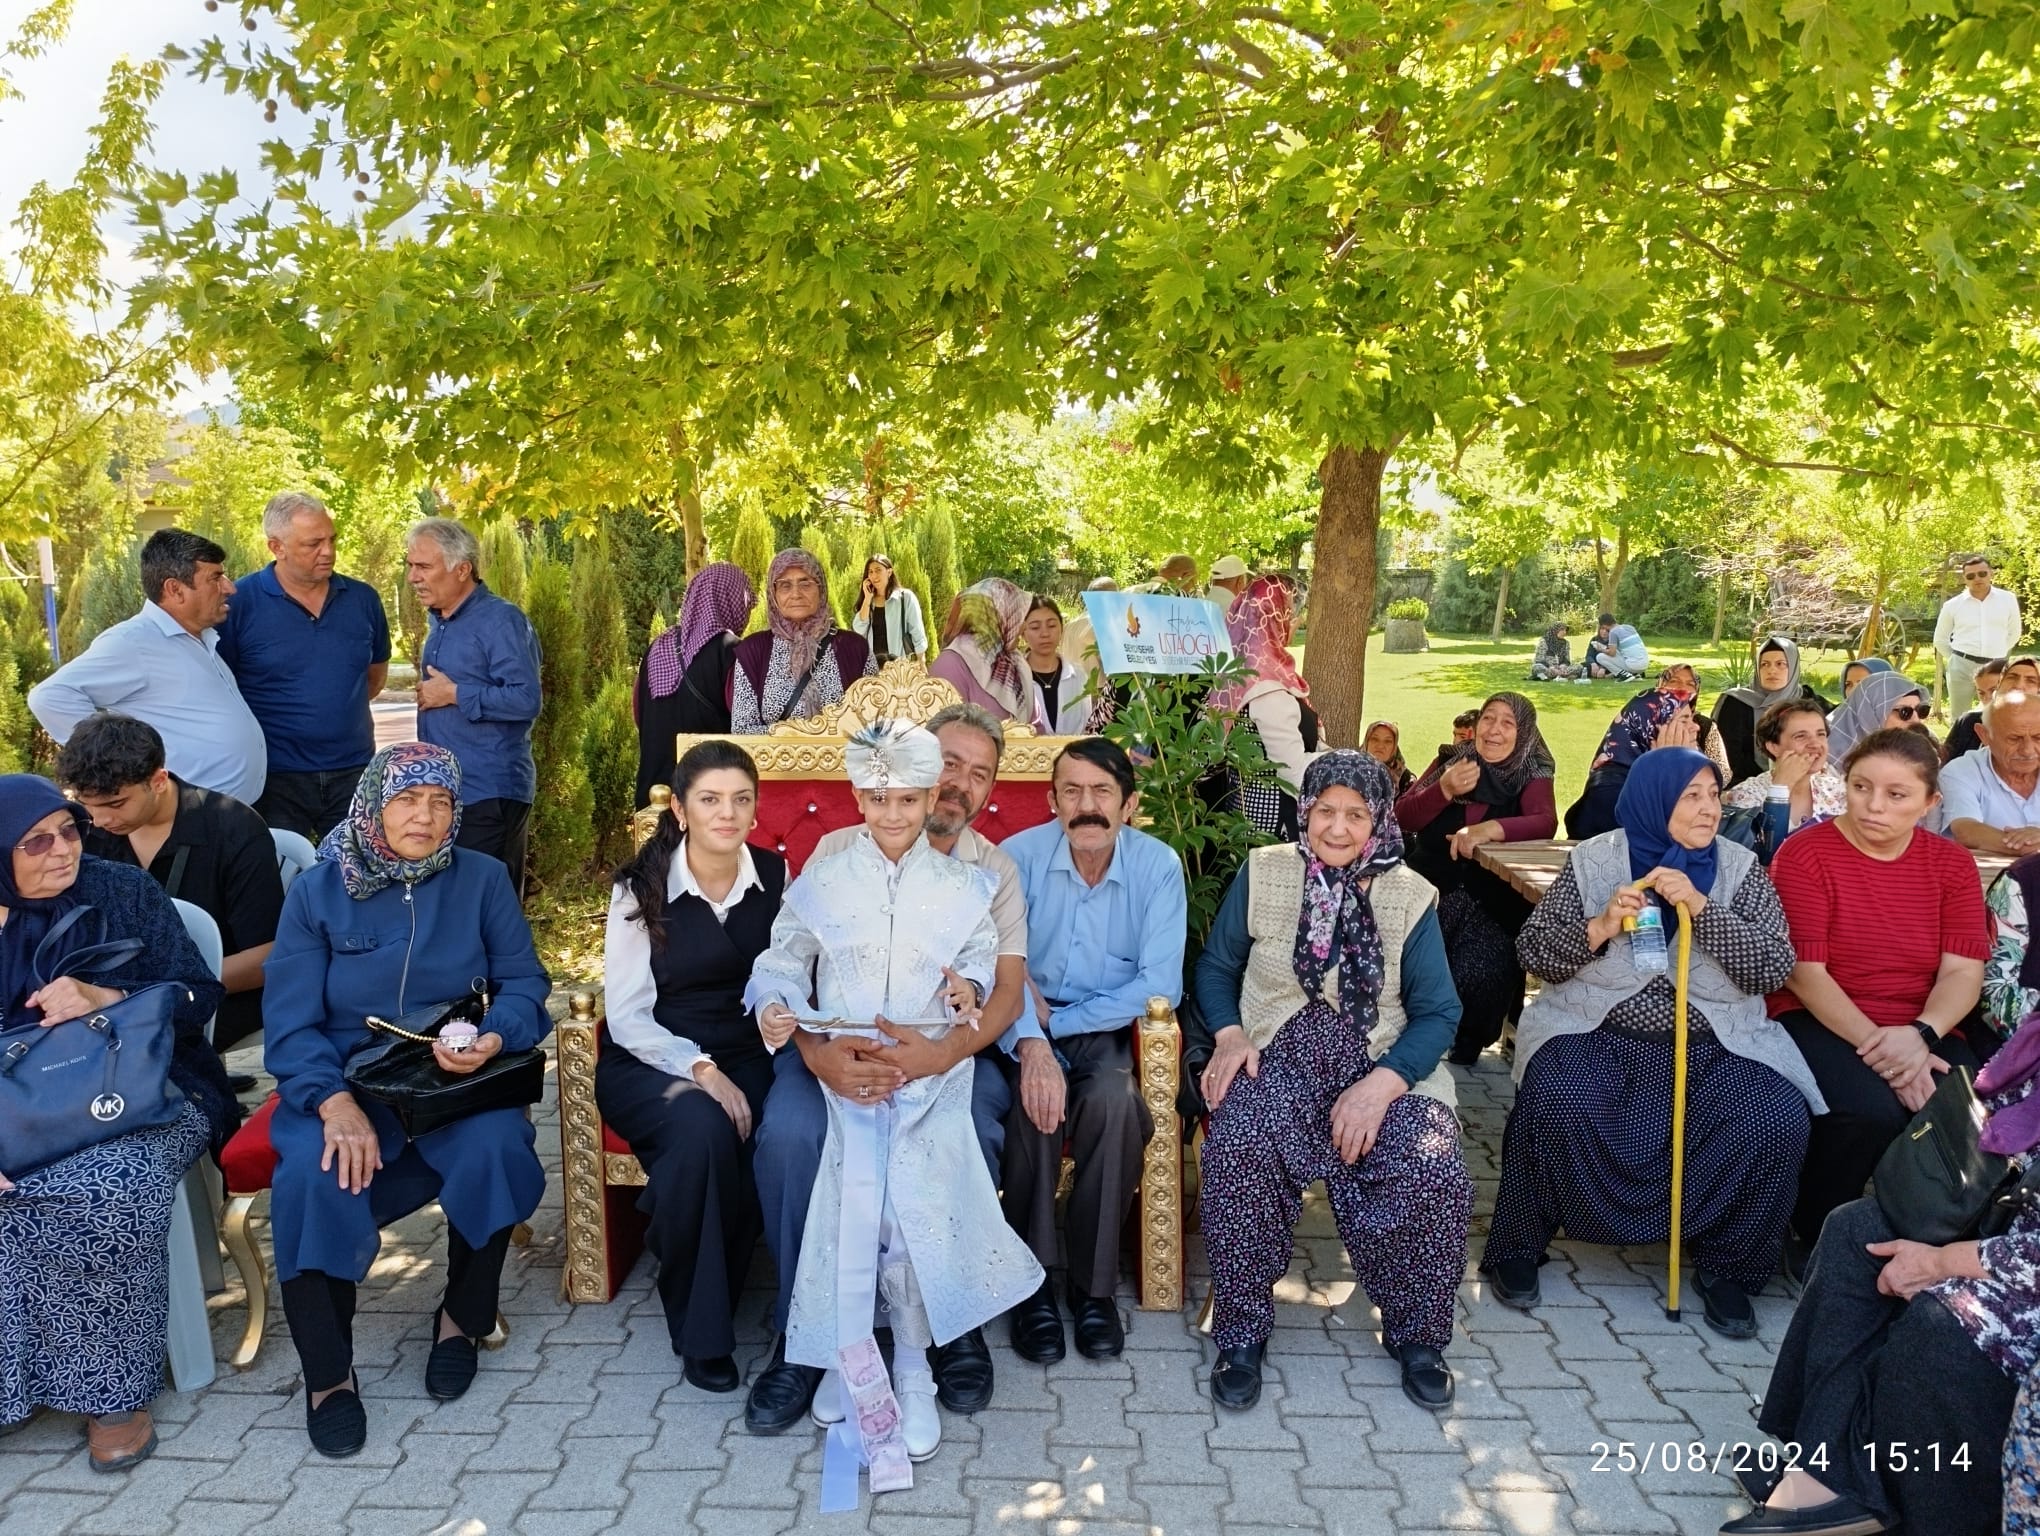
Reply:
x=1421, y=693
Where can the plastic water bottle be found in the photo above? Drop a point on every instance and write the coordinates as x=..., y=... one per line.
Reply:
x=1647, y=941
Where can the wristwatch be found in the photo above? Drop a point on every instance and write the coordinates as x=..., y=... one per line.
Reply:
x=1927, y=1033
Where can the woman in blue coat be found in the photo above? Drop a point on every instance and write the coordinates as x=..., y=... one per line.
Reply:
x=392, y=918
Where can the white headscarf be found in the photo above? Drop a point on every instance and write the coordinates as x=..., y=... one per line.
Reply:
x=893, y=754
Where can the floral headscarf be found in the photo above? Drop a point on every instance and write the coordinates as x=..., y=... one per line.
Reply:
x=1635, y=728
x=805, y=636
x=359, y=846
x=1260, y=621
x=1501, y=783
x=988, y=625
x=1398, y=770
x=1336, y=925
x=719, y=600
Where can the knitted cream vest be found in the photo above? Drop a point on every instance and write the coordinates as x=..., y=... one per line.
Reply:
x=1270, y=995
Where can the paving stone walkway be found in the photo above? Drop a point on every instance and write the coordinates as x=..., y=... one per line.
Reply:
x=580, y=1423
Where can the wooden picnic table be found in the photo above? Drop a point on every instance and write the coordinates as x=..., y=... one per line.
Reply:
x=1530, y=867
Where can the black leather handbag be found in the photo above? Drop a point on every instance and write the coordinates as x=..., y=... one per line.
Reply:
x=401, y=1073
x=69, y=1086
x=1935, y=1183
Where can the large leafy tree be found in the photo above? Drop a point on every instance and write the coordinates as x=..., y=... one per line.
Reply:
x=598, y=244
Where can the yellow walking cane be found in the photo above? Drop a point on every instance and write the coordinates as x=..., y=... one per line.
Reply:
x=1679, y=979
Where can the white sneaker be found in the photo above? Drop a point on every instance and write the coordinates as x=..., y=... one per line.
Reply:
x=828, y=1407
x=920, y=1419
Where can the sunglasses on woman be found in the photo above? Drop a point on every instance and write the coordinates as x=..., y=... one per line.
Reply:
x=35, y=847
x=1913, y=711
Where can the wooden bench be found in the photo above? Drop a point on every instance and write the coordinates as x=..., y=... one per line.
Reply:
x=1530, y=867
x=804, y=795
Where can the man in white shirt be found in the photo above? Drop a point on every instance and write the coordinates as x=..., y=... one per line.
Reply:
x=162, y=666
x=1978, y=624
x=1991, y=797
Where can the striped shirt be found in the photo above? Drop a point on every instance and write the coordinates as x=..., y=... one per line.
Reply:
x=1879, y=927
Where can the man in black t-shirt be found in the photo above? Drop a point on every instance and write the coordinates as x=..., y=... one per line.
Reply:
x=202, y=847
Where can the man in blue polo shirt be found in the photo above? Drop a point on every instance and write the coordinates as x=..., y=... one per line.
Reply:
x=309, y=649
x=478, y=688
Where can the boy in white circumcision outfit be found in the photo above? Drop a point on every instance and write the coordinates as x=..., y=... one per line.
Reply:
x=885, y=937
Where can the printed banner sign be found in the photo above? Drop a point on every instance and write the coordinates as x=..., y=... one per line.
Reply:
x=1153, y=632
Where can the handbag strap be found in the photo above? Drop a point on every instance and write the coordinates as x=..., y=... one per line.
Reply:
x=86, y=959
x=176, y=881
x=800, y=684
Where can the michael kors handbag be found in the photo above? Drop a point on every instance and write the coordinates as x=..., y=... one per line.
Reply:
x=66, y=1087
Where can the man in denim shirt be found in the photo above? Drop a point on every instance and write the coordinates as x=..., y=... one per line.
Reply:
x=478, y=689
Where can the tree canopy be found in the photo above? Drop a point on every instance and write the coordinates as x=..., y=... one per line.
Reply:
x=594, y=246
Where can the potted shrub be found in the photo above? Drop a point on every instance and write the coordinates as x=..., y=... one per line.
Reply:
x=1404, y=630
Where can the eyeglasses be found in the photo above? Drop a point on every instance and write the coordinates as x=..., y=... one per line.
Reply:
x=35, y=847
x=1913, y=711
x=796, y=584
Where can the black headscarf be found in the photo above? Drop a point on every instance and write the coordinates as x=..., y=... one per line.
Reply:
x=25, y=800
x=1502, y=783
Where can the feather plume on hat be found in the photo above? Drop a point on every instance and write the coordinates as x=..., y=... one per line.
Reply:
x=893, y=754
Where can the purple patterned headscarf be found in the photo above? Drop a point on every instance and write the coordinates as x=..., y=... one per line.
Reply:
x=1336, y=924
x=806, y=635
x=719, y=600
x=359, y=846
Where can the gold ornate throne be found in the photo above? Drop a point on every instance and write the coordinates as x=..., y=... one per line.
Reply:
x=803, y=795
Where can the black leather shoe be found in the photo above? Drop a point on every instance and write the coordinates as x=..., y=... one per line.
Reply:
x=1236, y=1379
x=963, y=1372
x=241, y=1082
x=711, y=1373
x=1728, y=1310
x=1426, y=1378
x=1098, y=1330
x=780, y=1396
x=450, y=1368
x=1513, y=1282
x=339, y=1425
x=1037, y=1328
x=1837, y=1517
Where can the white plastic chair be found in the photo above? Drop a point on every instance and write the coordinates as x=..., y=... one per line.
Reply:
x=195, y=1267
x=294, y=854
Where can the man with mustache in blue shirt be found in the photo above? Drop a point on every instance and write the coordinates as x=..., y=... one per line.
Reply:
x=1107, y=911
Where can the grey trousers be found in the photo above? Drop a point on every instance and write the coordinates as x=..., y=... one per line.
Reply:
x=1107, y=1126
x=1961, y=685
x=1859, y=1369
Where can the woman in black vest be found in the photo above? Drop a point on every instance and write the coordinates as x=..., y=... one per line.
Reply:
x=683, y=1073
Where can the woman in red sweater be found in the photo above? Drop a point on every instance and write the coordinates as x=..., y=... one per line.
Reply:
x=1495, y=788
x=1888, y=923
